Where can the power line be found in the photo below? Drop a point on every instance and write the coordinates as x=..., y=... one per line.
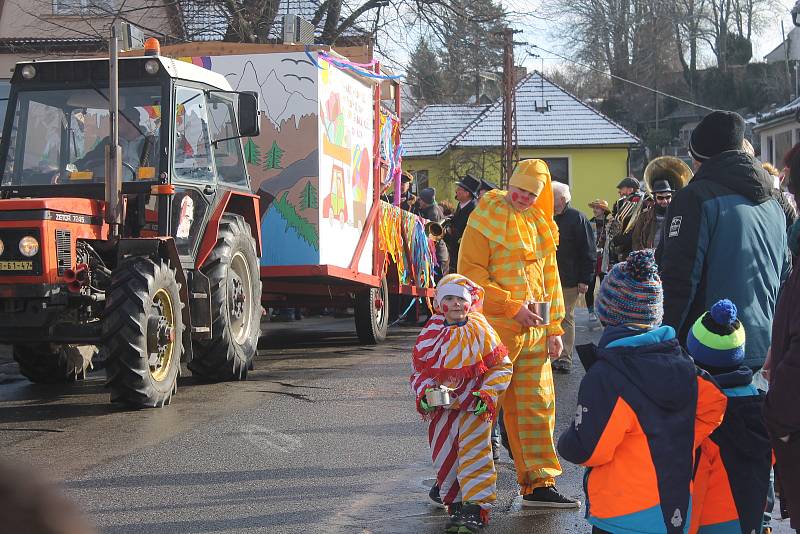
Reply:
x=620, y=78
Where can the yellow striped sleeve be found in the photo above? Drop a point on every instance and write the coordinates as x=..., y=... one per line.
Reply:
x=473, y=262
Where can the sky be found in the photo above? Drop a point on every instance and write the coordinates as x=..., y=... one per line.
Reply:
x=540, y=32
x=539, y=29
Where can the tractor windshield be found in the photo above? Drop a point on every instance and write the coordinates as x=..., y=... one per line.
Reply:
x=59, y=136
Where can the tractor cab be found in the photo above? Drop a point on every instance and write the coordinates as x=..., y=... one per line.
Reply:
x=55, y=139
x=76, y=232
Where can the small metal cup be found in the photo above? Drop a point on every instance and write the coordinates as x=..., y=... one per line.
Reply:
x=439, y=396
x=542, y=309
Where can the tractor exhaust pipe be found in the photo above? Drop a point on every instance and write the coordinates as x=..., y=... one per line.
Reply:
x=113, y=150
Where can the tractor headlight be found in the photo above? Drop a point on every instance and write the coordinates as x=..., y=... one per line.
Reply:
x=28, y=72
x=29, y=246
x=151, y=66
x=2, y=247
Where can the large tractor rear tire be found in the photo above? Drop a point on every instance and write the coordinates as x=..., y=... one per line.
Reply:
x=372, y=314
x=142, y=333
x=233, y=271
x=53, y=364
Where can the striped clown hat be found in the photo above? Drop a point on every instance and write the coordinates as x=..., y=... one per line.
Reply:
x=458, y=286
x=631, y=292
x=716, y=340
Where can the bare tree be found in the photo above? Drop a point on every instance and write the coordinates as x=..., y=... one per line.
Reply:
x=689, y=29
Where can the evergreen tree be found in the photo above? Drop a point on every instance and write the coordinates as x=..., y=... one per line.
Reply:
x=252, y=154
x=308, y=197
x=272, y=160
x=425, y=75
x=472, y=52
x=462, y=55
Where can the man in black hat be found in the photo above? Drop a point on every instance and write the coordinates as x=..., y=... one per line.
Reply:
x=620, y=242
x=724, y=237
x=466, y=194
x=648, y=228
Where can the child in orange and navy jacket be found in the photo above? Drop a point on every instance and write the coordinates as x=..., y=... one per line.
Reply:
x=643, y=408
x=459, y=349
x=732, y=474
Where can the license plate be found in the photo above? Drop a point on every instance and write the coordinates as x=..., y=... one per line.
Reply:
x=16, y=265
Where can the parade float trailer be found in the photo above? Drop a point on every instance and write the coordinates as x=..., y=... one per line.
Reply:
x=151, y=250
x=326, y=151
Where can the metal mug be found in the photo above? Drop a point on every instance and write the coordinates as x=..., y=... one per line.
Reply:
x=439, y=396
x=542, y=309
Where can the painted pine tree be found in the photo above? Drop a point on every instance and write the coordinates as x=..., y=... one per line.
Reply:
x=272, y=159
x=252, y=154
x=309, y=197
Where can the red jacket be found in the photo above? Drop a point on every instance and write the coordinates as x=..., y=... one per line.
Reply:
x=782, y=406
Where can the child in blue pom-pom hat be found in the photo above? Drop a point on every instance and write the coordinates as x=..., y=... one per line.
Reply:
x=732, y=478
x=643, y=409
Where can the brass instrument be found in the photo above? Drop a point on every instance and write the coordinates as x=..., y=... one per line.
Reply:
x=673, y=170
x=434, y=230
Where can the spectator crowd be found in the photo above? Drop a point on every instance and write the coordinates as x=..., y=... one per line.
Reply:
x=688, y=416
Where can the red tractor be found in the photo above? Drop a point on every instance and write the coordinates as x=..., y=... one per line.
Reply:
x=127, y=223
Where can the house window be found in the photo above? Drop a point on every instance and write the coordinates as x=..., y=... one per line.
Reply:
x=559, y=169
x=770, y=155
x=85, y=7
x=421, y=177
x=783, y=142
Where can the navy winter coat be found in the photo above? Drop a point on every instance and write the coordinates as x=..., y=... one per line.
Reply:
x=725, y=238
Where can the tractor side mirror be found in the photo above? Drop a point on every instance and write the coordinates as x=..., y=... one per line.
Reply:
x=248, y=114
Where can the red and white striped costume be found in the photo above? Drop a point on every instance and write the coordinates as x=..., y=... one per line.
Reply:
x=469, y=358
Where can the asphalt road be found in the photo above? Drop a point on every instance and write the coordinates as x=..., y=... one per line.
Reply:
x=322, y=437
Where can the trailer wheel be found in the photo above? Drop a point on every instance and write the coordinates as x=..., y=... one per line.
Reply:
x=53, y=364
x=142, y=333
x=372, y=314
x=233, y=270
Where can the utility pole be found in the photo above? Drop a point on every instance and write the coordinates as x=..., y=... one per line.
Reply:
x=510, y=148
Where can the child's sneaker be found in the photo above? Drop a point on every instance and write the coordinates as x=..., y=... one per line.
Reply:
x=548, y=497
x=471, y=519
x=435, y=498
x=455, y=522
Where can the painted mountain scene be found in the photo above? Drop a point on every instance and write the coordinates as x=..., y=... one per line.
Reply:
x=283, y=161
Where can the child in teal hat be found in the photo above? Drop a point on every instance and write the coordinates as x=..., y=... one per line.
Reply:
x=732, y=477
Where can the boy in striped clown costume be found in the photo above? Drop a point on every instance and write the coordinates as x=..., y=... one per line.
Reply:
x=459, y=349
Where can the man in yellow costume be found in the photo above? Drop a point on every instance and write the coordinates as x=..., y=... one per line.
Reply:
x=509, y=248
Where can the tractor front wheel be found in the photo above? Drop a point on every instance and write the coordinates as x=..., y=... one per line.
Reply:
x=142, y=333
x=233, y=270
x=53, y=364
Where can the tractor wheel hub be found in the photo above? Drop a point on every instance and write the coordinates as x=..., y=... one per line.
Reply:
x=237, y=297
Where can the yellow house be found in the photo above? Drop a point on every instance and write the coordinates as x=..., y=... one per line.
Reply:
x=584, y=148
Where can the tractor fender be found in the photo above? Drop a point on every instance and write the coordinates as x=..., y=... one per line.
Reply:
x=234, y=202
x=157, y=248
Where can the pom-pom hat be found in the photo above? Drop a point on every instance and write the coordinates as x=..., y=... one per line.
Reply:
x=456, y=285
x=631, y=292
x=717, y=338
